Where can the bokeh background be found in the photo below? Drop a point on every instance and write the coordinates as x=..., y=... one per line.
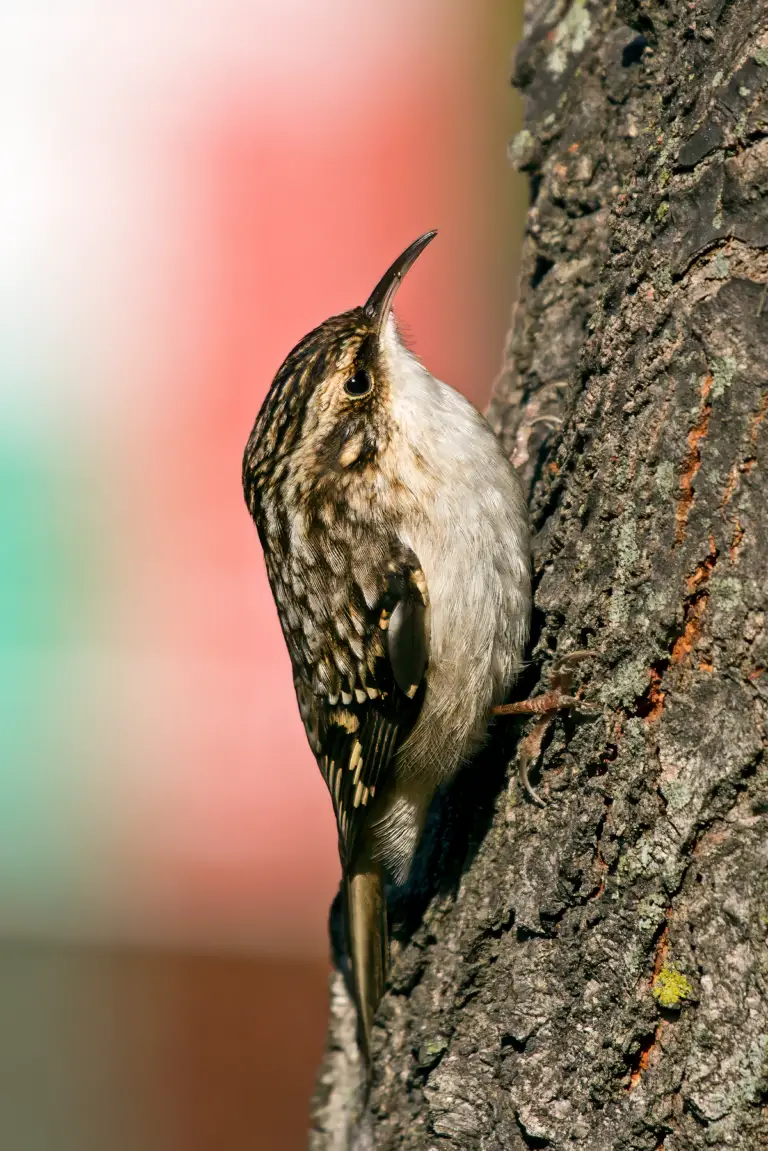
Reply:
x=188, y=188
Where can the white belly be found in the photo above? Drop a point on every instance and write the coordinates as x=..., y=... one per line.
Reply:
x=468, y=527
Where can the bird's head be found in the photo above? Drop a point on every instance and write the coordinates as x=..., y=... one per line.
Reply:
x=328, y=412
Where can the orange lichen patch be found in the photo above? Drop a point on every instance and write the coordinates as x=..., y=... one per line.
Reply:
x=756, y=673
x=704, y=570
x=710, y=839
x=647, y=1049
x=757, y=419
x=738, y=536
x=554, y=468
x=574, y=146
x=743, y=469
x=685, y=644
x=644, y=1057
x=692, y=461
x=662, y=947
x=655, y=697
x=707, y=666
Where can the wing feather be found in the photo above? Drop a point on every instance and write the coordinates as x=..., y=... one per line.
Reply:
x=355, y=738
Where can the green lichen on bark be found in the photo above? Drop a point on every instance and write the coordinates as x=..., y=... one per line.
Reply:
x=670, y=987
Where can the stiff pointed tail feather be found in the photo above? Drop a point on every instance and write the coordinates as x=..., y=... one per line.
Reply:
x=367, y=941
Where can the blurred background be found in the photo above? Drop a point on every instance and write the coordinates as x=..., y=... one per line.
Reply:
x=190, y=187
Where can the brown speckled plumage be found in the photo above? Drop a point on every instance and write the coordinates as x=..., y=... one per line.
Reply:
x=395, y=538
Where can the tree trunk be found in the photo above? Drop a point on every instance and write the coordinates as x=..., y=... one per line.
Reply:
x=594, y=972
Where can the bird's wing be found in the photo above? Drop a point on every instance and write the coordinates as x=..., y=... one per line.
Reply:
x=354, y=741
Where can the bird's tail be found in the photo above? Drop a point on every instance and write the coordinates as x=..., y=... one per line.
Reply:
x=367, y=940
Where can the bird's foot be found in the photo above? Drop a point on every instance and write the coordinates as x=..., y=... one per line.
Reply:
x=558, y=698
x=546, y=706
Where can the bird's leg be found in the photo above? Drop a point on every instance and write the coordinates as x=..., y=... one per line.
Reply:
x=528, y=751
x=558, y=698
x=545, y=706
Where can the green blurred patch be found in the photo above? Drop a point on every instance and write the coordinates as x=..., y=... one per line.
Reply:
x=45, y=603
x=39, y=546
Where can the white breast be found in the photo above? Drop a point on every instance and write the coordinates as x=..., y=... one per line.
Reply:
x=468, y=525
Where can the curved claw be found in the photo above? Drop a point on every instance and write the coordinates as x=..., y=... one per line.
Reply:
x=558, y=698
x=587, y=706
x=574, y=656
x=527, y=753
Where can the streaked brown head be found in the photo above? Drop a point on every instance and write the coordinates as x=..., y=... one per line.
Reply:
x=327, y=407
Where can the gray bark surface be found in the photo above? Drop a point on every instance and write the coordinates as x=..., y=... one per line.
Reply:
x=594, y=973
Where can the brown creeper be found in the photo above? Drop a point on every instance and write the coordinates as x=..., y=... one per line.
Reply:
x=396, y=541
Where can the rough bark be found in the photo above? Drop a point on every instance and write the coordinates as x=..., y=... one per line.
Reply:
x=595, y=972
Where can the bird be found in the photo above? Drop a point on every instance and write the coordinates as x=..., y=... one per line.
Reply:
x=396, y=539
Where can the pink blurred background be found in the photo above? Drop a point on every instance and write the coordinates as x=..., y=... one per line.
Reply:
x=191, y=187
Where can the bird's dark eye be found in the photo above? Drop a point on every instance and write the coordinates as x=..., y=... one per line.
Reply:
x=359, y=385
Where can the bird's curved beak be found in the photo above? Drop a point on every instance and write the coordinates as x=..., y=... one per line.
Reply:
x=379, y=303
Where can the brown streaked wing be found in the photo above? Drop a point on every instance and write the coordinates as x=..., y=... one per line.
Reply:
x=354, y=763
x=354, y=741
